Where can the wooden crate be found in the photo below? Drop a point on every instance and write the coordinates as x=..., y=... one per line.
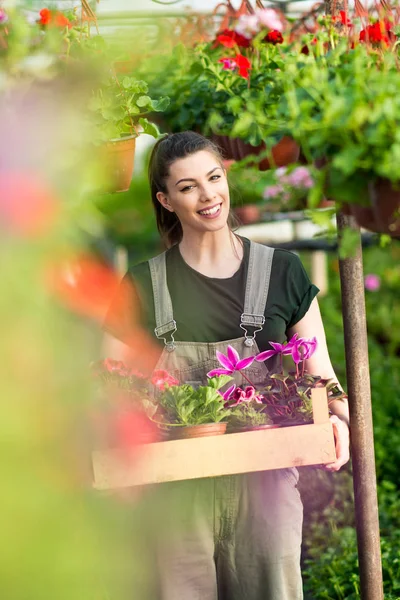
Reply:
x=220, y=455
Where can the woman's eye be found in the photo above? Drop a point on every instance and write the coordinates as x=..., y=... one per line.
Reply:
x=187, y=188
x=215, y=177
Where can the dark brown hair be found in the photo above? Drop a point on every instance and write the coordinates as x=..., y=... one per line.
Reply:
x=166, y=151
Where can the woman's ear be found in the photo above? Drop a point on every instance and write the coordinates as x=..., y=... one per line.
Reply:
x=163, y=200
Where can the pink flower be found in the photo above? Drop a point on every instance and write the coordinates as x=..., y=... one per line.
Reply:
x=161, y=378
x=301, y=178
x=303, y=349
x=3, y=16
x=248, y=26
x=269, y=19
x=272, y=191
x=228, y=64
x=230, y=363
x=372, y=282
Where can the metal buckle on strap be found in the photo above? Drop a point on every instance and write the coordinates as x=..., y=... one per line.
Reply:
x=167, y=328
x=247, y=320
x=252, y=320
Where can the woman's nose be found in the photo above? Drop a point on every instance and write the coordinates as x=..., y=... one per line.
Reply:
x=207, y=193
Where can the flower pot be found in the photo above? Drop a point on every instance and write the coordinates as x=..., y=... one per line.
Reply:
x=252, y=428
x=195, y=431
x=385, y=201
x=285, y=152
x=119, y=160
x=247, y=214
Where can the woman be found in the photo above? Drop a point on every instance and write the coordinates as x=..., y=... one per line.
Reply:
x=236, y=537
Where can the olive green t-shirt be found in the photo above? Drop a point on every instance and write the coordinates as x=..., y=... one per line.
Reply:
x=207, y=309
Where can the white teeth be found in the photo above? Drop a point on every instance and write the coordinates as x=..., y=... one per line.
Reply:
x=210, y=211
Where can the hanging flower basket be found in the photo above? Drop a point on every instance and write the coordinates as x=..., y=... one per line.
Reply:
x=383, y=214
x=119, y=159
x=284, y=153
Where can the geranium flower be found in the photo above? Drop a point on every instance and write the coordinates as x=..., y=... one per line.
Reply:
x=378, y=32
x=269, y=18
x=161, y=378
x=48, y=17
x=305, y=49
x=300, y=177
x=45, y=16
x=274, y=37
x=230, y=363
x=228, y=64
x=344, y=18
x=244, y=65
x=230, y=39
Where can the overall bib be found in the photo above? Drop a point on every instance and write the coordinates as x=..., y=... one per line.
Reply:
x=232, y=537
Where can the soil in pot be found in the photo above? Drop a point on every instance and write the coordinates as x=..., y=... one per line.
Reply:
x=195, y=431
x=253, y=428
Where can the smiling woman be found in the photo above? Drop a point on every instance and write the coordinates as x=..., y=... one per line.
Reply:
x=214, y=293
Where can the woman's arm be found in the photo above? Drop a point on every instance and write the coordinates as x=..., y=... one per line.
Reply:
x=320, y=364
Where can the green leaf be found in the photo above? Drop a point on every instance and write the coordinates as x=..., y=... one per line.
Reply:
x=149, y=128
x=143, y=101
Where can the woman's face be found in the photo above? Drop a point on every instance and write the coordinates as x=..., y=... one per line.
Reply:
x=197, y=191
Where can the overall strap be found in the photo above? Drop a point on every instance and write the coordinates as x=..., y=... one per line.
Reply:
x=257, y=287
x=165, y=322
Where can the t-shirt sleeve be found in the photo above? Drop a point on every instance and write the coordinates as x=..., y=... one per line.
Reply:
x=127, y=310
x=300, y=289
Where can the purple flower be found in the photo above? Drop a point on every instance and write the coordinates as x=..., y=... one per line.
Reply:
x=372, y=282
x=230, y=363
x=303, y=349
x=228, y=64
x=301, y=178
x=272, y=191
x=226, y=395
x=3, y=16
x=277, y=349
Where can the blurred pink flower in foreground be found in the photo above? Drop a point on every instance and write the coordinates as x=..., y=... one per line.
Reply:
x=248, y=25
x=27, y=205
x=372, y=282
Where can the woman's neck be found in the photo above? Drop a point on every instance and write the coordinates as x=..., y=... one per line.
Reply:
x=214, y=254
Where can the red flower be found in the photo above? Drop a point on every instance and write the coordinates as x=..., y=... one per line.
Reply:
x=161, y=378
x=62, y=21
x=230, y=38
x=274, y=37
x=244, y=65
x=132, y=428
x=305, y=49
x=376, y=33
x=344, y=19
x=45, y=16
x=48, y=17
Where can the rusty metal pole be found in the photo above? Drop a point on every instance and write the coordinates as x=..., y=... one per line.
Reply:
x=362, y=439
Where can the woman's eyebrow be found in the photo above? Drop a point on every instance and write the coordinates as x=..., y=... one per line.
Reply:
x=191, y=179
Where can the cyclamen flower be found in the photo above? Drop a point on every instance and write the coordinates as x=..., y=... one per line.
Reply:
x=161, y=378
x=303, y=349
x=230, y=363
x=277, y=349
x=274, y=37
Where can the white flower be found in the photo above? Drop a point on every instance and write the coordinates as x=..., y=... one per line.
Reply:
x=248, y=26
x=268, y=18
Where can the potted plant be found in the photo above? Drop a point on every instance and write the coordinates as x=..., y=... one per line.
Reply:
x=227, y=89
x=247, y=410
x=119, y=109
x=343, y=107
x=184, y=411
x=287, y=395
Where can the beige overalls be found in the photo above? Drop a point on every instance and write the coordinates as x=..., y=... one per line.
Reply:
x=232, y=537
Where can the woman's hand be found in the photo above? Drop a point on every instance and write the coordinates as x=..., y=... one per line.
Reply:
x=342, y=444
